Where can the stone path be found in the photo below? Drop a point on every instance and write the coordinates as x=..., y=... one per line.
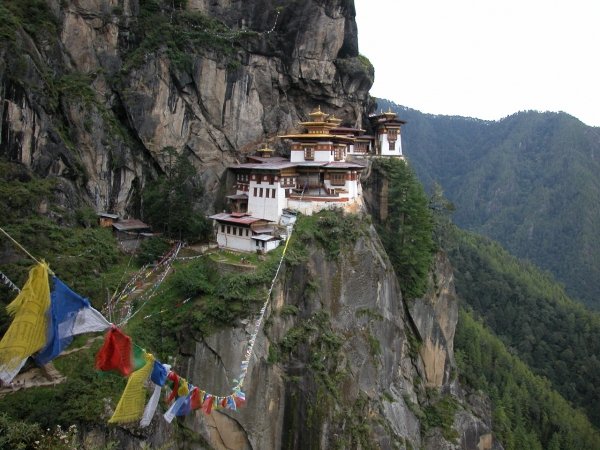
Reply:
x=42, y=376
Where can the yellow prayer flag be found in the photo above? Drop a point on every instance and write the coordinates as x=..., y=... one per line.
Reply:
x=131, y=405
x=27, y=332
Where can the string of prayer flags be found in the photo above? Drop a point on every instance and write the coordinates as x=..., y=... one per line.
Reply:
x=6, y=281
x=27, y=332
x=115, y=353
x=48, y=321
x=131, y=404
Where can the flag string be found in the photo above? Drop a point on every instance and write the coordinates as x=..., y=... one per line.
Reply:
x=22, y=248
x=207, y=400
x=9, y=283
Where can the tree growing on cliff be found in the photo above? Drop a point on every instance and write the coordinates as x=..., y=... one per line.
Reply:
x=407, y=233
x=169, y=201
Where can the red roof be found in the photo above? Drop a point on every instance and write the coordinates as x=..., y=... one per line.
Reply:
x=262, y=159
x=230, y=218
x=130, y=225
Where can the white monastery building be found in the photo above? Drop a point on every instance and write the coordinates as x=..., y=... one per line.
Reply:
x=321, y=173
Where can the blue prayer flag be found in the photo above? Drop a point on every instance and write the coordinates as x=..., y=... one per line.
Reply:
x=64, y=307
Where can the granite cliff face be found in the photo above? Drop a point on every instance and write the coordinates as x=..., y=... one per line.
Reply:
x=343, y=362
x=94, y=90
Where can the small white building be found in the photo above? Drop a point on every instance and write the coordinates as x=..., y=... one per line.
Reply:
x=388, y=141
x=244, y=233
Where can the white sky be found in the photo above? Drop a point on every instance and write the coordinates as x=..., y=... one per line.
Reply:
x=485, y=59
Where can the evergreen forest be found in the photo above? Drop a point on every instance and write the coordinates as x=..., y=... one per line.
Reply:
x=529, y=181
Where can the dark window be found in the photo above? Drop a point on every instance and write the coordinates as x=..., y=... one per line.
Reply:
x=338, y=179
x=309, y=153
x=222, y=228
x=255, y=192
x=228, y=229
x=272, y=193
x=392, y=146
x=261, y=192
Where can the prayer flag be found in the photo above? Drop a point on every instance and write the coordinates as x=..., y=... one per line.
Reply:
x=175, y=379
x=64, y=307
x=115, y=353
x=131, y=405
x=159, y=378
x=89, y=320
x=195, y=400
x=151, y=407
x=27, y=332
x=207, y=405
x=186, y=406
x=171, y=412
x=159, y=373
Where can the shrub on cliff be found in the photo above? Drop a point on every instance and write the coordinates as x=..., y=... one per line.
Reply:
x=169, y=201
x=407, y=232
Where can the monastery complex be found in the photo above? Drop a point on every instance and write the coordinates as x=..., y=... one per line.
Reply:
x=323, y=172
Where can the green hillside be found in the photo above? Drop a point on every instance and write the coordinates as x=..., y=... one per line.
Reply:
x=556, y=336
x=527, y=412
x=529, y=181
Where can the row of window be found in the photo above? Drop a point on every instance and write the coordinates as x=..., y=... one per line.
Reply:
x=338, y=153
x=258, y=192
x=236, y=231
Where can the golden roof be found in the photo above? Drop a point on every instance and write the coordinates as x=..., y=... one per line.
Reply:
x=334, y=120
x=265, y=148
x=317, y=136
x=317, y=115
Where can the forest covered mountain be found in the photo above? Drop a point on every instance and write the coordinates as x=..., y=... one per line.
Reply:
x=529, y=181
x=531, y=314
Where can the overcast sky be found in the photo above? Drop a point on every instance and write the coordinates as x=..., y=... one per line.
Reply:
x=485, y=59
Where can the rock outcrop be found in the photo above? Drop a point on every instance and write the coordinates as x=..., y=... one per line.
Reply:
x=342, y=362
x=92, y=98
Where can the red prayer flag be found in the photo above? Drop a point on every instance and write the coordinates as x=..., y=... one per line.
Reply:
x=196, y=402
x=116, y=353
x=175, y=379
x=238, y=401
x=207, y=405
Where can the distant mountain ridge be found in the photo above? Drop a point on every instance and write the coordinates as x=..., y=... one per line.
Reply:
x=529, y=181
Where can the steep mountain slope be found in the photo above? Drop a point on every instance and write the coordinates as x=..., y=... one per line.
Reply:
x=557, y=337
x=529, y=181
